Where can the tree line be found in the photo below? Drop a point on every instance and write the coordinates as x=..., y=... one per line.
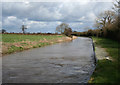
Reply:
x=107, y=24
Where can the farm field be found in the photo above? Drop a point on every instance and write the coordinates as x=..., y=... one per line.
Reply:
x=15, y=42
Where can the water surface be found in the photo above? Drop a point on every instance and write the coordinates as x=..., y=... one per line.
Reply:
x=68, y=62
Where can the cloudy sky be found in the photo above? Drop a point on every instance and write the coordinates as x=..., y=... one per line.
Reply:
x=45, y=16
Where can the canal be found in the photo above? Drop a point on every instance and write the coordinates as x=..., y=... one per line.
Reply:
x=67, y=62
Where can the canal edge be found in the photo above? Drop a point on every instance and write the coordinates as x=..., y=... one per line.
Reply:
x=94, y=54
x=95, y=60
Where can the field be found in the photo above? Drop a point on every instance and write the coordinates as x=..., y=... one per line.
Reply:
x=18, y=38
x=107, y=70
x=18, y=42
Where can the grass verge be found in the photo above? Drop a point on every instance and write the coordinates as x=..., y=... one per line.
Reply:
x=14, y=42
x=107, y=71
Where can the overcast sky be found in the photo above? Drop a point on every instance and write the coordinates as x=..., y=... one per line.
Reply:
x=45, y=16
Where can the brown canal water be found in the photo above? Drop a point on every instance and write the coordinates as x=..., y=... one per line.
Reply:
x=68, y=62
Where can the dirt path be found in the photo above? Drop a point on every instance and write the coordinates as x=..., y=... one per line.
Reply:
x=101, y=53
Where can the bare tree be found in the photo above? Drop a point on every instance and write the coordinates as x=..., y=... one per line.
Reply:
x=105, y=19
x=23, y=29
x=116, y=6
x=61, y=28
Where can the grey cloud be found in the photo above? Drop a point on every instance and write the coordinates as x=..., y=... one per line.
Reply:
x=33, y=11
x=51, y=14
x=12, y=23
x=51, y=11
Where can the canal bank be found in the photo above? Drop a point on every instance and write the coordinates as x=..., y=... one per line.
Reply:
x=107, y=52
x=12, y=43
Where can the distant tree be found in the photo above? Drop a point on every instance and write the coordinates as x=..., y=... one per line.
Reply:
x=90, y=32
x=23, y=29
x=60, y=28
x=3, y=31
x=74, y=31
x=68, y=32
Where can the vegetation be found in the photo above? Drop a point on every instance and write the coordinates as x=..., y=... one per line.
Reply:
x=68, y=32
x=17, y=42
x=106, y=35
x=10, y=38
x=61, y=28
x=2, y=31
x=64, y=28
x=107, y=71
x=106, y=24
x=23, y=29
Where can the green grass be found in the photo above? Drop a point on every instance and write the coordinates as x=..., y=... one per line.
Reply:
x=107, y=71
x=13, y=41
x=14, y=48
x=17, y=38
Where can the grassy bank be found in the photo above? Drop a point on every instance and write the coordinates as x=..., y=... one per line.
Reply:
x=107, y=70
x=13, y=42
